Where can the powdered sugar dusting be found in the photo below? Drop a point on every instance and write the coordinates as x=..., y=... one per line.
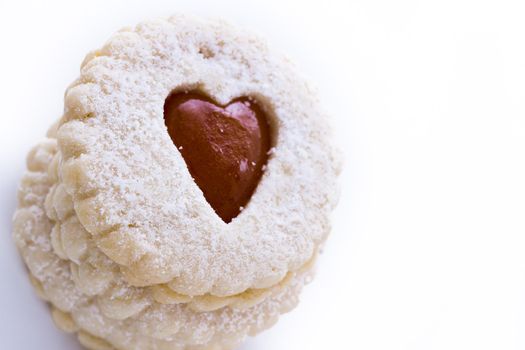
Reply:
x=129, y=180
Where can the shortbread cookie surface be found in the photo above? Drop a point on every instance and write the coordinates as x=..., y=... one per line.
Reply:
x=131, y=188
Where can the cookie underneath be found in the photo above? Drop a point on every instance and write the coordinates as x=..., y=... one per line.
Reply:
x=88, y=297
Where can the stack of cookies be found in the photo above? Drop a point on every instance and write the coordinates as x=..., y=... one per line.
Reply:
x=181, y=200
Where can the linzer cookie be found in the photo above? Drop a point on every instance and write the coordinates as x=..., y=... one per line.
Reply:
x=182, y=199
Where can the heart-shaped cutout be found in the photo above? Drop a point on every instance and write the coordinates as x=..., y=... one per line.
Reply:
x=224, y=147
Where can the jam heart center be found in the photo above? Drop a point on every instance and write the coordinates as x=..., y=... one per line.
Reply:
x=225, y=147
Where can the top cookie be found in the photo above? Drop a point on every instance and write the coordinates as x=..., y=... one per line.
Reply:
x=131, y=186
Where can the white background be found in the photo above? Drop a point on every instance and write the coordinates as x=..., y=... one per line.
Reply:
x=428, y=100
